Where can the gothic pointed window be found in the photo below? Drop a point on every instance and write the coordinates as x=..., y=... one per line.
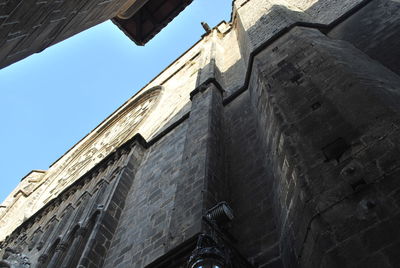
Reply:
x=35, y=238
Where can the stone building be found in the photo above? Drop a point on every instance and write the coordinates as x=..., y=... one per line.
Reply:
x=288, y=115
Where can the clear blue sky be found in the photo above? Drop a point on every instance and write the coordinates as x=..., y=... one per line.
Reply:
x=50, y=100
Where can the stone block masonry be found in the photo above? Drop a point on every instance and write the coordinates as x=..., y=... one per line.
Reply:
x=330, y=117
x=249, y=185
x=290, y=113
x=28, y=27
x=149, y=204
x=374, y=30
x=77, y=228
x=202, y=182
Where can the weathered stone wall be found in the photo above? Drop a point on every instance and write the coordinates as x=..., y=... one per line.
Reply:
x=250, y=185
x=329, y=116
x=15, y=204
x=260, y=21
x=201, y=175
x=76, y=229
x=173, y=188
x=143, y=230
x=27, y=27
x=299, y=131
x=140, y=114
x=374, y=30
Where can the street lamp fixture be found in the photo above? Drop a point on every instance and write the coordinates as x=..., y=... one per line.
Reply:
x=214, y=247
x=208, y=254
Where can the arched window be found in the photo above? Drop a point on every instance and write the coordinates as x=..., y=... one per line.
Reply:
x=74, y=241
x=64, y=251
x=35, y=238
x=45, y=259
x=81, y=205
x=82, y=241
x=47, y=233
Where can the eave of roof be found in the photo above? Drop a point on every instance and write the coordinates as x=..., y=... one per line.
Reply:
x=150, y=19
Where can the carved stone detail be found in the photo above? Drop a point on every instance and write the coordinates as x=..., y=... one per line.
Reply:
x=104, y=140
x=12, y=258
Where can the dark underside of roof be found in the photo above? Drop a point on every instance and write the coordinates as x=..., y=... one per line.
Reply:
x=150, y=19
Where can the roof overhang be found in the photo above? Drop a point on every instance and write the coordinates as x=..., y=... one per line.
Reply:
x=143, y=19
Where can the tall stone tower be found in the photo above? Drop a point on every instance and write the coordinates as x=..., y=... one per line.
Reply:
x=273, y=142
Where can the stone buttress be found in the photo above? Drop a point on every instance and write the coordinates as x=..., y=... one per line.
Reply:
x=290, y=113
